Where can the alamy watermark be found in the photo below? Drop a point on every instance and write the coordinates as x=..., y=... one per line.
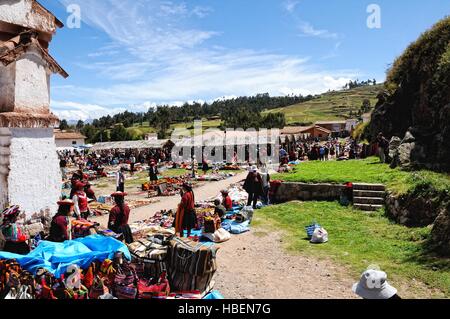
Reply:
x=231, y=146
x=74, y=18
x=374, y=19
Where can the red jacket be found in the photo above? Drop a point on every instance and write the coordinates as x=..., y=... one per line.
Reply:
x=228, y=203
x=117, y=219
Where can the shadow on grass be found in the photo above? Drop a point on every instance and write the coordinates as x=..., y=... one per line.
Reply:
x=428, y=256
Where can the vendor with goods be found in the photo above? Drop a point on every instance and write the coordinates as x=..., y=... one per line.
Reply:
x=78, y=176
x=118, y=217
x=253, y=186
x=227, y=202
x=16, y=240
x=60, y=226
x=220, y=210
x=185, y=218
x=80, y=199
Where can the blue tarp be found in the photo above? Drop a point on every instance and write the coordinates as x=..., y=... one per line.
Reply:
x=214, y=295
x=56, y=257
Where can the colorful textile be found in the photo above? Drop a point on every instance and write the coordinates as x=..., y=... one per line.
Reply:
x=56, y=257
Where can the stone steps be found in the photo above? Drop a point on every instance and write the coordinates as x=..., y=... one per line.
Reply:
x=368, y=207
x=365, y=193
x=369, y=187
x=369, y=200
x=368, y=197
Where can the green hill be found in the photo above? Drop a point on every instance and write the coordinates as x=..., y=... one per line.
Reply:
x=334, y=105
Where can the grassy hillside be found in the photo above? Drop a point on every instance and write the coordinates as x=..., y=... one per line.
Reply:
x=330, y=106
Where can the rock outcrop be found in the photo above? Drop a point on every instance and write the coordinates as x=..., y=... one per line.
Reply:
x=415, y=105
x=440, y=234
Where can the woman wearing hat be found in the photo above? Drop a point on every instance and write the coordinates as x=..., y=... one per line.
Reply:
x=118, y=217
x=60, y=226
x=80, y=199
x=15, y=237
x=186, y=218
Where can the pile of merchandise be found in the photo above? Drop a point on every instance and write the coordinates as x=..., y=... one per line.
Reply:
x=214, y=177
x=96, y=267
x=169, y=186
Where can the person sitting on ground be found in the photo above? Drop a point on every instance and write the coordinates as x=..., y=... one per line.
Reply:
x=119, y=216
x=80, y=199
x=60, y=226
x=227, y=202
x=373, y=285
x=186, y=217
x=220, y=210
x=16, y=239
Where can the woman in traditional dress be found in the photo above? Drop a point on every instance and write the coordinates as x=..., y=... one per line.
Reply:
x=16, y=240
x=185, y=218
x=118, y=217
x=60, y=227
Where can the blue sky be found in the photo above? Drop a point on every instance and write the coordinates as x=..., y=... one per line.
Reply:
x=134, y=54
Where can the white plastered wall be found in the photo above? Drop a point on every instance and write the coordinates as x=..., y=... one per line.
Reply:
x=34, y=180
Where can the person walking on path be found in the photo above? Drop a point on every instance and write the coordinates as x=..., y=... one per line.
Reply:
x=120, y=180
x=253, y=186
x=153, y=171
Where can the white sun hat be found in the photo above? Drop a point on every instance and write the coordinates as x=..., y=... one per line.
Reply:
x=373, y=285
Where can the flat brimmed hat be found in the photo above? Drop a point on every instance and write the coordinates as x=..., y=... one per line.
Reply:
x=66, y=202
x=187, y=185
x=119, y=194
x=11, y=212
x=254, y=169
x=225, y=191
x=373, y=285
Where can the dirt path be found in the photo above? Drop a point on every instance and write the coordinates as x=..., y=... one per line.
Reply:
x=254, y=265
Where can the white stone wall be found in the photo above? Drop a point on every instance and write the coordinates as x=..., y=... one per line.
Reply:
x=20, y=12
x=34, y=180
x=68, y=143
x=32, y=80
x=5, y=142
x=7, y=85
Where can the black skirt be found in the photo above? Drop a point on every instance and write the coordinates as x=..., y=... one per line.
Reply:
x=189, y=220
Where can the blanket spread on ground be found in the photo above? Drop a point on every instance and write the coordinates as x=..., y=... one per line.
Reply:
x=56, y=257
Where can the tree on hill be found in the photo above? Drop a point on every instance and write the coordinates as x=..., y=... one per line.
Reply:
x=80, y=125
x=63, y=125
x=119, y=133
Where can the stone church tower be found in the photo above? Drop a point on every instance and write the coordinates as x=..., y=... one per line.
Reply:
x=29, y=167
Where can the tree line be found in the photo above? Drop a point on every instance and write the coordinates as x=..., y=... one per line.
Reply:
x=241, y=112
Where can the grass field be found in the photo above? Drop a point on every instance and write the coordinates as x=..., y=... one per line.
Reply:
x=330, y=106
x=365, y=171
x=358, y=239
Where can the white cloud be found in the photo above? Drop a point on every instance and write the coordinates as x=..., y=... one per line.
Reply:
x=161, y=59
x=308, y=30
x=290, y=5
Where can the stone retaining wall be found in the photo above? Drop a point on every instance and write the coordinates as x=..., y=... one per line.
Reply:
x=308, y=192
